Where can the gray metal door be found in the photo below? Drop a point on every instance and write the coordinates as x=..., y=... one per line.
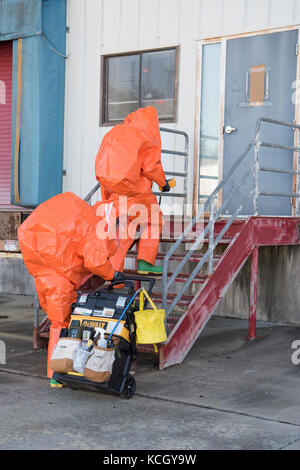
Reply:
x=260, y=75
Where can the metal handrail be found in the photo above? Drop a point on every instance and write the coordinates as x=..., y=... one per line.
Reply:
x=197, y=217
x=292, y=148
x=209, y=207
x=212, y=243
x=184, y=154
x=89, y=196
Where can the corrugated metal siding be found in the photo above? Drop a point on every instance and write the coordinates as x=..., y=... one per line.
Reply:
x=99, y=27
x=5, y=121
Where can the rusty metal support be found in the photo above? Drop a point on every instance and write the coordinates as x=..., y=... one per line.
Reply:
x=254, y=232
x=253, y=294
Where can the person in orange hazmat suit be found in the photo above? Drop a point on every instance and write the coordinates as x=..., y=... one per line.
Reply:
x=61, y=251
x=127, y=164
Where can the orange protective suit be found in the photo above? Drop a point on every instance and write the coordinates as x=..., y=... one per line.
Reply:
x=60, y=250
x=128, y=162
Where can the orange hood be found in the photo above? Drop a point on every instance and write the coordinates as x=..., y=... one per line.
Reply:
x=146, y=121
x=129, y=158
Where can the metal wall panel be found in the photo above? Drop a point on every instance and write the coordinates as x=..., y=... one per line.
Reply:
x=129, y=25
x=257, y=14
x=296, y=12
x=211, y=17
x=279, y=15
x=148, y=26
x=111, y=22
x=233, y=16
x=76, y=74
x=168, y=21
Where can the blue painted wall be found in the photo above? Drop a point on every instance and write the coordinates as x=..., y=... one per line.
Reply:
x=20, y=18
x=43, y=28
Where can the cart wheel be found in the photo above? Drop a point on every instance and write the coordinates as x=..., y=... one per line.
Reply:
x=130, y=386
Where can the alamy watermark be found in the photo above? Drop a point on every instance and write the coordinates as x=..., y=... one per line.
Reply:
x=2, y=92
x=124, y=218
x=295, y=358
x=2, y=352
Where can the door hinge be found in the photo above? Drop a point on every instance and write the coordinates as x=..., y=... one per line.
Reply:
x=297, y=49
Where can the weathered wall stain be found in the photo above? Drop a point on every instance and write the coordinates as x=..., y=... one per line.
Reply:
x=278, y=287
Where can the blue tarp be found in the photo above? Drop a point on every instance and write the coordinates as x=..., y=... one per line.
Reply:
x=20, y=18
x=42, y=103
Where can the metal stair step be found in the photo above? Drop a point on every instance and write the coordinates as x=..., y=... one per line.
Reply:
x=160, y=256
x=224, y=241
x=182, y=277
x=183, y=302
x=175, y=230
x=148, y=348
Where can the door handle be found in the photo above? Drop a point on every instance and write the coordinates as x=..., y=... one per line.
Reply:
x=229, y=129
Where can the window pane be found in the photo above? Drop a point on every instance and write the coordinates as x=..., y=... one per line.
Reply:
x=210, y=120
x=158, y=81
x=123, y=86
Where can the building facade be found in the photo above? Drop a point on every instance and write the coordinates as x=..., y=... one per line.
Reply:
x=207, y=66
x=210, y=67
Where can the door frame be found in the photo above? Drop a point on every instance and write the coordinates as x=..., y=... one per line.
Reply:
x=223, y=41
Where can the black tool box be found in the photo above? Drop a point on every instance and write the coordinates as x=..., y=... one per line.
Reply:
x=103, y=309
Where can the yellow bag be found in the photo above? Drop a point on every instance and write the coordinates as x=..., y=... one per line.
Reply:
x=150, y=326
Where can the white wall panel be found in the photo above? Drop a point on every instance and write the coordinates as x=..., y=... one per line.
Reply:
x=90, y=97
x=211, y=17
x=148, y=27
x=168, y=20
x=280, y=16
x=189, y=19
x=129, y=25
x=296, y=12
x=73, y=112
x=257, y=14
x=111, y=22
x=233, y=16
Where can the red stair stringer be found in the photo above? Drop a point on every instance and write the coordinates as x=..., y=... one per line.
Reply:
x=257, y=231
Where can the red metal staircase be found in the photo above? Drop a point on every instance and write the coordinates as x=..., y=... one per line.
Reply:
x=240, y=241
x=205, y=257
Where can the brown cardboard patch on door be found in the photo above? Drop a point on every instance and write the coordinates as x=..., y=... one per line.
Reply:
x=257, y=85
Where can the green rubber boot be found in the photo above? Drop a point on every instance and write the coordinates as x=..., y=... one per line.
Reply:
x=147, y=268
x=55, y=384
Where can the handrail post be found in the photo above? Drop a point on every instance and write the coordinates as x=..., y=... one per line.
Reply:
x=256, y=170
x=211, y=236
x=186, y=149
x=253, y=294
x=185, y=155
x=296, y=143
x=164, y=285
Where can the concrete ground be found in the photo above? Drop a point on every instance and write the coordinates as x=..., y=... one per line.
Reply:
x=228, y=394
